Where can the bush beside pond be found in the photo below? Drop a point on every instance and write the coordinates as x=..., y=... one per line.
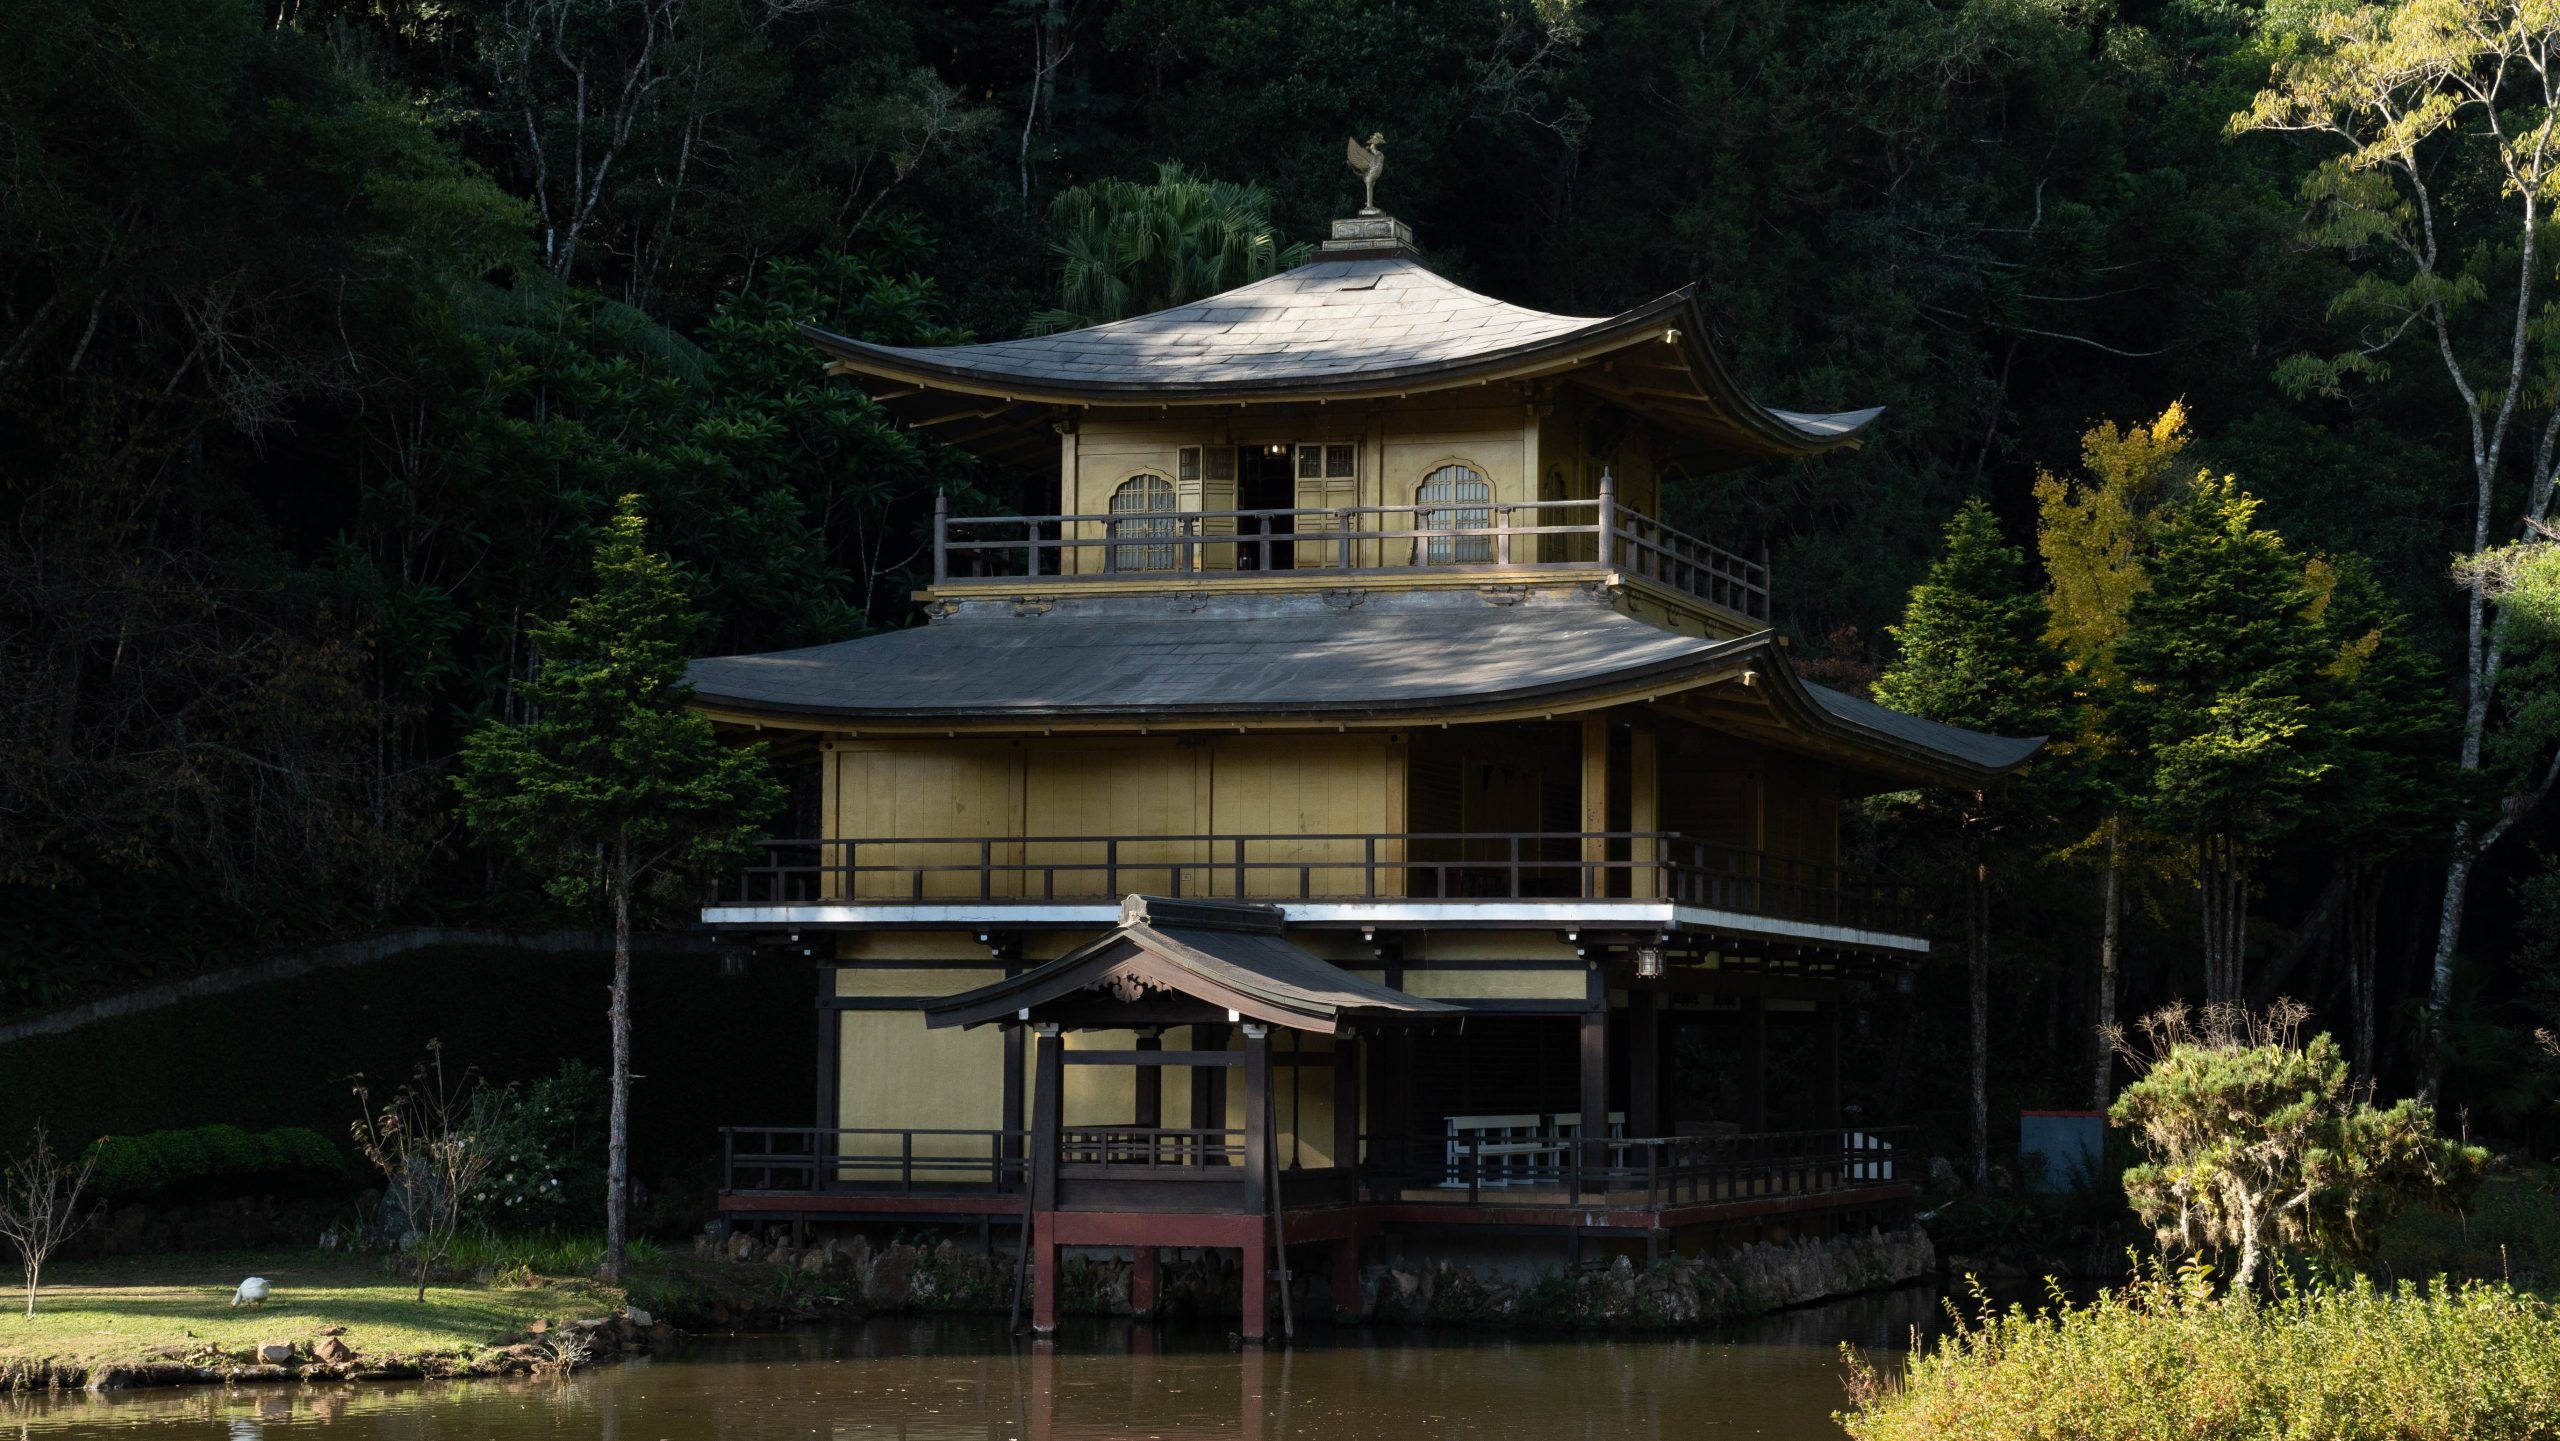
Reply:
x=2167, y=1358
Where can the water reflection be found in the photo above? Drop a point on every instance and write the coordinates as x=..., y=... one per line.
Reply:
x=905, y=1379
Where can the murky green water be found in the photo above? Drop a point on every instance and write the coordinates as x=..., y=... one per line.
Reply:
x=965, y=1380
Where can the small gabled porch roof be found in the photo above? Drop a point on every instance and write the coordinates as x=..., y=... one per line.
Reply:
x=1221, y=956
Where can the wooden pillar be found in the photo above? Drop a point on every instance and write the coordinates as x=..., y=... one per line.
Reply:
x=1150, y=1083
x=1644, y=814
x=1346, y=1279
x=1142, y=1280
x=1644, y=1064
x=1595, y=1089
x=1595, y=804
x=830, y=1100
x=1047, y=1108
x=1826, y=1062
x=1209, y=1088
x=1017, y=1042
x=1257, y=1127
x=1755, y=1064
x=1256, y=1274
x=1346, y=1101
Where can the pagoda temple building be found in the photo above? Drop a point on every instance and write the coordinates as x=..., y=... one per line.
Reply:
x=1317, y=836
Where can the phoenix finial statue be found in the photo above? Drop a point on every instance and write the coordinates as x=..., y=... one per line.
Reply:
x=1368, y=162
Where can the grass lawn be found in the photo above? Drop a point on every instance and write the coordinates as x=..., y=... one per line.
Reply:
x=138, y=1309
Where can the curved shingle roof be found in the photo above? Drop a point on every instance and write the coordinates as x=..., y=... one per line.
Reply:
x=1344, y=326
x=1159, y=659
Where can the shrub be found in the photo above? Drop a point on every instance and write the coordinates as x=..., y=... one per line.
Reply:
x=2168, y=1358
x=2258, y=1139
x=211, y=1160
x=546, y=1144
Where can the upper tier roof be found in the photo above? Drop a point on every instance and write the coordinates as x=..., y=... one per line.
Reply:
x=1394, y=658
x=1364, y=320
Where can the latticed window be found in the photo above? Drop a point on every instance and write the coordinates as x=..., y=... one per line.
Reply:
x=1455, y=497
x=1149, y=499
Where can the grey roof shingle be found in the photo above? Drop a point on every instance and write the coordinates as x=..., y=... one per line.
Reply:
x=1336, y=321
x=1279, y=656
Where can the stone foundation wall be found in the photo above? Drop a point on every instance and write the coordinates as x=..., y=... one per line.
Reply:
x=1688, y=1292
x=1699, y=1291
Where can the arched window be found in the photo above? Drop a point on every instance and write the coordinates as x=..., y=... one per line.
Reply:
x=1455, y=497
x=1150, y=499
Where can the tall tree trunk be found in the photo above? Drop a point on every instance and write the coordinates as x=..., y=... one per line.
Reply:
x=1977, y=955
x=617, y=1166
x=2457, y=896
x=2102, y=1073
x=2364, y=916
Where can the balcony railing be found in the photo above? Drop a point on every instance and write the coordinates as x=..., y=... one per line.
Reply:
x=1513, y=866
x=1512, y=535
x=1617, y=1171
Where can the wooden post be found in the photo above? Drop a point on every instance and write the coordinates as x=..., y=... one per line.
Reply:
x=1595, y=804
x=1142, y=1280
x=1150, y=1082
x=1644, y=813
x=830, y=1107
x=941, y=534
x=1346, y=1279
x=1595, y=1089
x=1209, y=1089
x=1257, y=1125
x=1644, y=1064
x=1257, y=1281
x=1826, y=1062
x=1346, y=1101
x=1016, y=1041
x=1047, y=1107
x=1755, y=1064
x=1608, y=520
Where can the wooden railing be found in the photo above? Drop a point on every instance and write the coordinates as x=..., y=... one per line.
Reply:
x=1442, y=865
x=906, y=1162
x=1483, y=1169
x=1512, y=535
x=1478, y=1171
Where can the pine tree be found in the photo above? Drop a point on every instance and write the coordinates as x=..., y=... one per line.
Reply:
x=2223, y=699
x=1974, y=654
x=613, y=781
x=2390, y=787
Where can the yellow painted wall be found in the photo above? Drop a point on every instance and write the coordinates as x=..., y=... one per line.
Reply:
x=1156, y=792
x=1399, y=443
x=893, y=1073
x=1508, y=985
x=922, y=788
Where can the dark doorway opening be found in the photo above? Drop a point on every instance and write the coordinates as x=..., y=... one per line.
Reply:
x=1265, y=481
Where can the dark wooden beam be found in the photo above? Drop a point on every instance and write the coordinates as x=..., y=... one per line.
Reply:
x=1755, y=1064
x=1644, y=1065
x=1257, y=1125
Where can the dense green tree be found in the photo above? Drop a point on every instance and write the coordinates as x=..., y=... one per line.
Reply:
x=2095, y=532
x=611, y=783
x=1974, y=653
x=2223, y=699
x=2436, y=122
x=1126, y=248
x=2391, y=729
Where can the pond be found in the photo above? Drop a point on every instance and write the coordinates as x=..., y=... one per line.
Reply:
x=907, y=1379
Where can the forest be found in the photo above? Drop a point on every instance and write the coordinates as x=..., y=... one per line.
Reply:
x=331, y=331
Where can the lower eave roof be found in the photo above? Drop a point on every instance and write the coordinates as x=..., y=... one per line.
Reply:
x=1156, y=659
